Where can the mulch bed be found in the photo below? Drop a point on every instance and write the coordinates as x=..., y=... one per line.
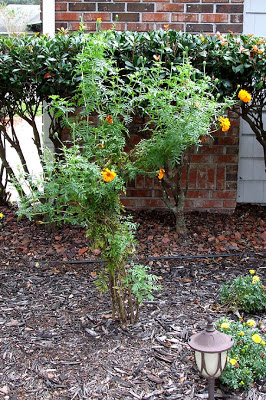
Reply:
x=57, y=338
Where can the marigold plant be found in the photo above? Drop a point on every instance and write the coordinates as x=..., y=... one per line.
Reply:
x=245, y=293
x=247, y=358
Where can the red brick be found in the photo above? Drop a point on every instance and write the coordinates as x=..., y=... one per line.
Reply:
x=211, y=150
x=229, y=204
x=140, y=7
x=205, y=28
x=139, y=181
x=197, y=194
x=225, y=159
x=175, y=27
x=170, y=7
x=211, y=177
x=193, y=173
x=139, y=192
x=200, y=8
x=67, y=16
x=225, y=28
x=185, y=17
x=59, y=25
x=215, y=1
x=214, y=18
x=154, y=17
x=229, y=8
x=140, y=27
x=236, y=19
x=220, y=177
x=202, y=177
x=223, y=194
x=93, y=16
x=111, y=6
x=208, y=204
x=126, y=17
x=200, y=158
x=186, y=1
x=60, y=6
x=189, y=204
x=82, y=7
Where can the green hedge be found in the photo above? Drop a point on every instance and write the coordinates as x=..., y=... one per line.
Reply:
x=32, y=68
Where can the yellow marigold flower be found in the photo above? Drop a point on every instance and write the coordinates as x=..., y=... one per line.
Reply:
x=251, y=323
x=255, y=279
x=225, y=325
x=244, y=96
x=233, y=361
x=241, y=333
x=161, y=173
x=256, y=338
x=99, y=20
x=252, y=271
x=1, y=215
x=224, y=123
x=108, y=175
x=166, y=26
x=109, y=119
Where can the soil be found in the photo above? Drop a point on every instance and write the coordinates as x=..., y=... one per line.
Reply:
x=58, y=340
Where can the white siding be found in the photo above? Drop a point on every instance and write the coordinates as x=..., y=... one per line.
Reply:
x=251, y=170
x=251, y=186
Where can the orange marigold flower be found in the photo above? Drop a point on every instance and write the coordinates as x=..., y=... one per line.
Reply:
x=244, y=96
x=108, y=175
x=161, y=173
x=109, y=119
x=224, y=123
x=156, y=58
x=255, y=48
x=99, y=20
x=166, y=26
x=260, y=51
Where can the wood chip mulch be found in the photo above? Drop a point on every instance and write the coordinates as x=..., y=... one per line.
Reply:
x=57, y=338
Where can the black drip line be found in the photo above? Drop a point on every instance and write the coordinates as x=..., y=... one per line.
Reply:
x=173, y=257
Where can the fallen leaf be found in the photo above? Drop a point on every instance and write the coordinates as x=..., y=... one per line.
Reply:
x=83, y=250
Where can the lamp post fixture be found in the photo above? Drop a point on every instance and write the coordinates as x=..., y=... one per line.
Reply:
x=210, y=353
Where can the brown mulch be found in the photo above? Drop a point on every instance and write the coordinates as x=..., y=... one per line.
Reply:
x=57, y=338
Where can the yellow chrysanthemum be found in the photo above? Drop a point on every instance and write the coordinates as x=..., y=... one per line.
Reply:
x=233, y=361
x=224, y=123
x=108, y=175
x=251, y=323
x=244, y=96
x=241, y=333
x=255, y=279
x=161, y=173
x=252, y=271
x=1, y=215
x=225, y=325
x=256, y=338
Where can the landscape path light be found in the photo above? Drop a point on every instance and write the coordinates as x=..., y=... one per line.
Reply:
x=210, y=353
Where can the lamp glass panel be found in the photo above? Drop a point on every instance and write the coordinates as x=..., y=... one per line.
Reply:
x=211, y=363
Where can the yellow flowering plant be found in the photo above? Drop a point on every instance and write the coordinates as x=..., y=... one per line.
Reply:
x=245, y=293
x=247, y=358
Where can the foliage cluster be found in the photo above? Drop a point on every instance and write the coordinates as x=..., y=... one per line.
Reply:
x=83, y=186
x=246, y=359
x=34, y=68
x=245, y=293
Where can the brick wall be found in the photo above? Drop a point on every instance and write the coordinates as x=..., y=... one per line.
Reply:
x=213, y=174
x=212, y=179
x=208, y=16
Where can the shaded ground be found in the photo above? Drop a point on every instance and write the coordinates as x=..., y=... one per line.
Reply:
x=57, y=338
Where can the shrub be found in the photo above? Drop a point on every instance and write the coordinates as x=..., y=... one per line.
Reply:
x=245, y=293
x=246, y=359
